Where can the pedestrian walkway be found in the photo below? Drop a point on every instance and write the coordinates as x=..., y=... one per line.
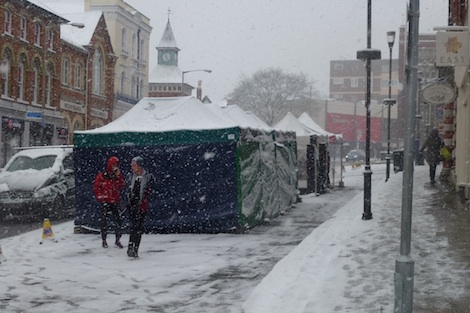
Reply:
x=348, y=265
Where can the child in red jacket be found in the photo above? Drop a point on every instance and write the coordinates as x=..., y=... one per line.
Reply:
x=107, y=189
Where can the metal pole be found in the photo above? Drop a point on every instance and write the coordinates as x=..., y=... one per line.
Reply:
x=367, y=214
x=387, y=176
x=404, y=265
x=368, y=55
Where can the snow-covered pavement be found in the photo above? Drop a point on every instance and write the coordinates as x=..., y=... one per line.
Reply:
x=344, y=265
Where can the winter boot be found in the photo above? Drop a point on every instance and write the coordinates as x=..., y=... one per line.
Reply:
x=118, y=243
x=130, y=251
x=104, y=244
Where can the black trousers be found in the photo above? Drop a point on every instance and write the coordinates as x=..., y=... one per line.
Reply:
x=432, y=171
x=108, y=210
x=137, y=219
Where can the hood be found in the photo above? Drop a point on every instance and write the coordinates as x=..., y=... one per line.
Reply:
x=111, y=162
x=24, y=180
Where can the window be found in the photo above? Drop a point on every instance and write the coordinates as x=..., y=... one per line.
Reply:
x=133, y=88
x=98, y=67
x=78, y=75
x=23, y=28
x=337, y=80
x=7, y=22
x=35, y=82
x=354, y=82
x=141, y=51
x=141, y=89
x=66, y=71
x=37, y=34
x=134, y=46
x=5, y=69
x=21, y=67
x=123, y=83
x=50, y=39
x=48, y=87
x=124, y=41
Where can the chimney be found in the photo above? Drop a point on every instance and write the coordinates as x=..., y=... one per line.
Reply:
x=199, y=90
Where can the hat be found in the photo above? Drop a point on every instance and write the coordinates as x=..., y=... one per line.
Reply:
x=139, y=160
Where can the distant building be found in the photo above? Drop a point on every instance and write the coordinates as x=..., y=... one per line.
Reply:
x=166, y=79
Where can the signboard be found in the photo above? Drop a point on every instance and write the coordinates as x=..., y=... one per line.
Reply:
x=33, y=115
x=452, y=48
x=438, y=94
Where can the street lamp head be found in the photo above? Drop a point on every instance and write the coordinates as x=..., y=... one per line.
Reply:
x=390, y=38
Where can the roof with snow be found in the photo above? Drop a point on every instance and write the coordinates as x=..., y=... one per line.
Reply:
x=244, y=119
x=166, y=74
x=168, y=39
x=291, y=123
x=80, y=36
x=166, y=114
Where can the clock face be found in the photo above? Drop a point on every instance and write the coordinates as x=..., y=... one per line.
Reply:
x=166, y=56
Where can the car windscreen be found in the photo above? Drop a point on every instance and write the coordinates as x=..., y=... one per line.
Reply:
x=26, y=163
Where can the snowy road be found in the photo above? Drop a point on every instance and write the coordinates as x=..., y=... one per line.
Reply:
x=176, y=272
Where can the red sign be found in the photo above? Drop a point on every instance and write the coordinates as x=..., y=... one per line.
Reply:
x=353, y=127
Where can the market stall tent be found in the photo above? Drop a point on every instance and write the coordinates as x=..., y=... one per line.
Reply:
x=212, y=174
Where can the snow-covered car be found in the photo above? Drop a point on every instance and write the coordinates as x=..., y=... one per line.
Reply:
x=38, y=182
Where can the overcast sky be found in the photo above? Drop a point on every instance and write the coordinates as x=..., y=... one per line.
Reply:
x=236, y=38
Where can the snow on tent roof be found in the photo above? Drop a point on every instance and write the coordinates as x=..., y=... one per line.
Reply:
x=244, y=119
x=166, y=114
x=305, y=119
x=291, y=123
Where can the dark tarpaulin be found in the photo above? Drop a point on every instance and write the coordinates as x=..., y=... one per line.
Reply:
x=196, y=185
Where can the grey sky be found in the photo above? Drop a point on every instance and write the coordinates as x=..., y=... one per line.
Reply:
x=235, y=38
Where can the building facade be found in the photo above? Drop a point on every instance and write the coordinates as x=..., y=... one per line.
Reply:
x=348, y=85
x=30, y=76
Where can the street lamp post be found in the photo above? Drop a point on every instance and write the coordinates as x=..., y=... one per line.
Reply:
x=368, y=55
x=389, y=102
x=184, y=72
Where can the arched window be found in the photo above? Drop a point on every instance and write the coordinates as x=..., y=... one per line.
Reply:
x=48, y=87
x=123, y=83
x=133, y=87
x=8, y=22
x=78, y=75
x=66, y=71
x=134, y=46
x=141, y=89
x=35, y=84
x=21, y=78
x=5, y=71
x=98, y=66
x=124, y=41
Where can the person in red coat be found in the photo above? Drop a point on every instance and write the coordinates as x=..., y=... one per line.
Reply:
x=107, y=189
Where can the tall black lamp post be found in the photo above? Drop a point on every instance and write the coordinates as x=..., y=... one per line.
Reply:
x=389, y=102
x=368, y=55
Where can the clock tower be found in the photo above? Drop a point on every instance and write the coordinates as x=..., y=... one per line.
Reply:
x=167, y=79
x=167, y=47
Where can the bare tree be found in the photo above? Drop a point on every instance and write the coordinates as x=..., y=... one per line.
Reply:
x=268, y=91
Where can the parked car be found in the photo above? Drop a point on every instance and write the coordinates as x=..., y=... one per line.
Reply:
x=356, y=156
x=38, y=182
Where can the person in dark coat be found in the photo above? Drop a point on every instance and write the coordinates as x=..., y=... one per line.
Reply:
x=140, y=183
x=107, y=189
x=432, y=145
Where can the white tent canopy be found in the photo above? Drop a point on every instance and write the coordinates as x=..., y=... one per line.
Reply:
x=305, y=119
